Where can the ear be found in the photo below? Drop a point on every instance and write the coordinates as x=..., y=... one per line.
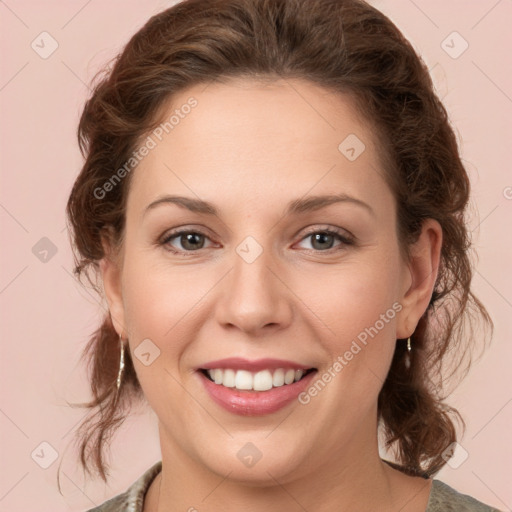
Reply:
x=110, y=269
x=420, y=275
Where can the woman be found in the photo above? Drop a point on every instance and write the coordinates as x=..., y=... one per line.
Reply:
x=230, y=142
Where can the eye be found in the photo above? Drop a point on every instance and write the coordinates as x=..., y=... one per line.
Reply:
x=325, y=239
x=185, y=241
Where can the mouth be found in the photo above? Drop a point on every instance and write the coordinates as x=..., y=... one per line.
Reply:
x=263, y=380
x=255, y=388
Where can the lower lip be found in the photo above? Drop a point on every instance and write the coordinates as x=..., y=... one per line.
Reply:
x=255, y=403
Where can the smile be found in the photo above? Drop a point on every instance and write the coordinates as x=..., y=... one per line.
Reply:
x=255, y=381
x=254, y=388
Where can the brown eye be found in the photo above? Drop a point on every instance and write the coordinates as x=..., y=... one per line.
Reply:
x=192, y=241
x=185, y=241
x=324, y=240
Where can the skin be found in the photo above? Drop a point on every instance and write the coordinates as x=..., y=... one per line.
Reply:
x=250, y=148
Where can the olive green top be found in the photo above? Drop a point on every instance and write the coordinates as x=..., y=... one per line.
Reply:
x=442, y=497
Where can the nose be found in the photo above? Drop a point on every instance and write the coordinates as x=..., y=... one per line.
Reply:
x=254, y=298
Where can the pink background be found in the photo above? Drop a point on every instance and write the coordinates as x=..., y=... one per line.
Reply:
x=47, y=316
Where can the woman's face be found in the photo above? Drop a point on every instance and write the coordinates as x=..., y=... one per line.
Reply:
x=260, y=227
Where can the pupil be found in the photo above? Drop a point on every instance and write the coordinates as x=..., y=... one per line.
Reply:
x=192, y=241
x=322, y=238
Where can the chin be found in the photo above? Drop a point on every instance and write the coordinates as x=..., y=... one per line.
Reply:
x=246, y=464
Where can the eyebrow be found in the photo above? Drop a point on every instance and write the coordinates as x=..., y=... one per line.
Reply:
x=311, y=203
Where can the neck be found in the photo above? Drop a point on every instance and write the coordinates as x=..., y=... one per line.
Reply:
x=351, y=478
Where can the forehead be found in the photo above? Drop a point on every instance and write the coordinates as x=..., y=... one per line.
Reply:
x=298, y=112
x=255, y=138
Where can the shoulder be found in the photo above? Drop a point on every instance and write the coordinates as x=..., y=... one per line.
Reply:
x=133, y=498
x=444, y=498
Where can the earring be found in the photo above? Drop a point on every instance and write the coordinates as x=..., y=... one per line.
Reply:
x=121, y=364
x=408, y=354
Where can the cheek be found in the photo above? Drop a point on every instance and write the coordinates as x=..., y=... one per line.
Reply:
x=166, y=305
x=153, y=307
x=351, y=298
x=155, y=299
x=159, y=307
x=357, y=310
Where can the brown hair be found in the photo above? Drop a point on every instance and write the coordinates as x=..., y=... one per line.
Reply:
x=342, y=45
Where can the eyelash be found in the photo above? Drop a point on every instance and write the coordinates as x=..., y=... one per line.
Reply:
x=342, y=236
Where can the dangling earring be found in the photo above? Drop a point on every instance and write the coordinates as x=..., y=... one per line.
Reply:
x=121, y=366
x=408, y=354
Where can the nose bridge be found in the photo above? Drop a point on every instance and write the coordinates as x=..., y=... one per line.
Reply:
x=253, y=297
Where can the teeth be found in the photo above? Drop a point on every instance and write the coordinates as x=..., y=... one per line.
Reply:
x=278, y=378
x=217, y=376
x=289, y=376
x=243, y=379
x=262, y=381
x=259, y=381
x=228, y=379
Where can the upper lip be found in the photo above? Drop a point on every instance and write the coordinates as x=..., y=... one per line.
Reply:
x=239, y=363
